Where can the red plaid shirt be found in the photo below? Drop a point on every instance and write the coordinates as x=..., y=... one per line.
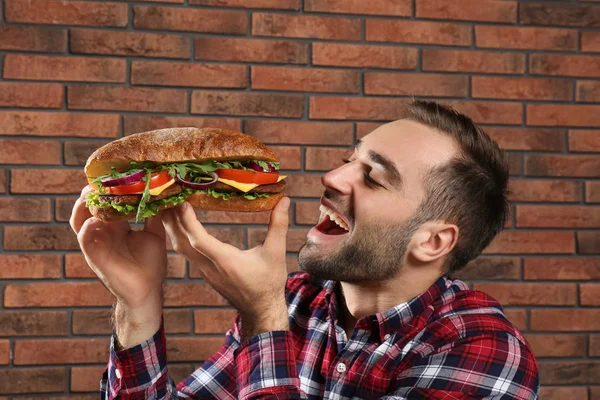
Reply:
x=447, y=343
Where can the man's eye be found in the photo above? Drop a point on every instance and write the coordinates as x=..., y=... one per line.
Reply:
x=345, y=160
x=370, y=182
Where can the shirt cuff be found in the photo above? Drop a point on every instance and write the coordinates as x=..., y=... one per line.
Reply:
x=267, y=361
x=136, y=368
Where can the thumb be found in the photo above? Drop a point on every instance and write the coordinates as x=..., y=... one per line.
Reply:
x=278, y=226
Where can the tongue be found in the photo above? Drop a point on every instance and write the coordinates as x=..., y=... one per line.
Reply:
x=328, y=227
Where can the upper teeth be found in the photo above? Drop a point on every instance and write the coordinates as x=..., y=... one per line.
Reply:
x=332, y=216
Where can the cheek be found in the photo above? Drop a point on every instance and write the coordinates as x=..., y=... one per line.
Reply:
x=382, y=207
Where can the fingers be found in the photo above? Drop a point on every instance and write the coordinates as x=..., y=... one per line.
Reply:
x=201, y=240
x=154, y=225
x=80, y=212
x=278, y=226
x=178, y=238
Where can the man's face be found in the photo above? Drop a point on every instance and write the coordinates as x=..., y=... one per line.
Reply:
x=369, y=210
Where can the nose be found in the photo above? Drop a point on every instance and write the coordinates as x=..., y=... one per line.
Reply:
x=339, y=179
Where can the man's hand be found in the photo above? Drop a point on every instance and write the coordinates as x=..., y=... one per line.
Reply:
x=253, y=281
x=131, y=264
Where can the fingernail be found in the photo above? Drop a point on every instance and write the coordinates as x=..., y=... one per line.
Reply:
x=184, y=206
x=286, y=203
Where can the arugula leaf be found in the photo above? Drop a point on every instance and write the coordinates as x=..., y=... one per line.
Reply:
x=145, y=196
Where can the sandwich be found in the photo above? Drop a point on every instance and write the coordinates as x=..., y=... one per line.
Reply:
x=213, y=169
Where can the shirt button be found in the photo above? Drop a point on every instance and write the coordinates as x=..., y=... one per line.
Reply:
x=341, y=368
x=118, y=373
x=387, y=337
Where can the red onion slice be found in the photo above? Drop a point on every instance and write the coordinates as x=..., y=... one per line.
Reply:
x=134, y=176
x=258, y=168
x=199, y=186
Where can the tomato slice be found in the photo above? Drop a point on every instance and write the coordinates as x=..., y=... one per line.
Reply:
x=245, y=176
x=157, y=179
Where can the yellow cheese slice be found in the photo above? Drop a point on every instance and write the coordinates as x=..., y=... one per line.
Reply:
x=281, y=177
x=244, y=187
x=158, y=190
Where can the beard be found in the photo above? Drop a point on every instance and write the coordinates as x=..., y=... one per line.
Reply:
x=374, y=252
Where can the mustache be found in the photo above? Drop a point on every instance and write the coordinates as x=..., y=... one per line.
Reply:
x=343, y=205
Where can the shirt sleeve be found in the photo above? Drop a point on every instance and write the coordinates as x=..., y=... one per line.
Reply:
x=482, y=365
x=266, y=367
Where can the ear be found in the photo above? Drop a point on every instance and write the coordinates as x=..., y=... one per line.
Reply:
x=433, y=240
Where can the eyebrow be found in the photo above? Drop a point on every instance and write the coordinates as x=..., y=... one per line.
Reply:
x=390, y=168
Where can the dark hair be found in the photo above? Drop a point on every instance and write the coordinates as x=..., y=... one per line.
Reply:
x=470, y=190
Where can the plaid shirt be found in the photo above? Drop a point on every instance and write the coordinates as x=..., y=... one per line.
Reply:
x=447, y=343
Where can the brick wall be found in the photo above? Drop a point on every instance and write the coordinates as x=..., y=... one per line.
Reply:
x=306, y=77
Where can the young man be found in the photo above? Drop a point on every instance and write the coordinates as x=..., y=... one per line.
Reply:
x=373, y=315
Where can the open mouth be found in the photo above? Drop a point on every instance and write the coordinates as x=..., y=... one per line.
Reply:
x=330, y=223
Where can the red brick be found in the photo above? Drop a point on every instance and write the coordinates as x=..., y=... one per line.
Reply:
x=295, y=238
x=193, y=348
x=325, y=158
x=21, y=151
x=403, y=31
x=531, y=242
x=559, y=14
x=565, y=65
x=192, y=294
x=48, y=40
x=4, y=352
x=557, y=345
x=97, y=13
x=292, y=263
x=558, y=217
x=581, y=268
x=561, y=393
x=67, y=294
x=35, y=95
x=305, y=79
x=588, y=242
x=590, y=41
x=13, y=209
x=417, y=84
x=545, y=190
x=292, y=132
x=578, y=320
x=30, y=266
x=473, y=61
x=588, y=294
x=304, y=186
x=2, y=181
x=85, y=97
x=34, y=323
x=588, y=91
x=521, y=88
x=518, y=317
x=490, y=112
x=77, y=153
x=356, y=55
x=275, y=4
x=243, y=103
x=468, y=10
x=305, y=26
x=355, y=108
x=61, y=351
x=39, y=237
x=25, y=123
x=251, y=50
x=61, y=181
x=32, y=380
x=226, y=217
x=594, y=345
x=484, y=268
x=97, y=322
x=562, y=165
x=530, y=293
x=307, y=212
x=592, y=192
x=82, y=69
x=190, y=75
x=213, y=321
x=76, y=266
x=525, y=38
x=289, y=157
x=515, y=163
x=135, y=123
x=569, y=372
x=85, y=379
x=190, y=19
x=528, y=138
x=364, y=128
x=594, y=390
x=128, y=43
x=401, y=8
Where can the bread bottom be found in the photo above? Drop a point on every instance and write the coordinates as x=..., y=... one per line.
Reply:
x=201, y=201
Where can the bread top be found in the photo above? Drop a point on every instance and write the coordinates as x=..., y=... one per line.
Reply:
x=177, y=145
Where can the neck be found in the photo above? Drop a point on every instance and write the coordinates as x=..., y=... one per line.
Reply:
x=358, y=300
